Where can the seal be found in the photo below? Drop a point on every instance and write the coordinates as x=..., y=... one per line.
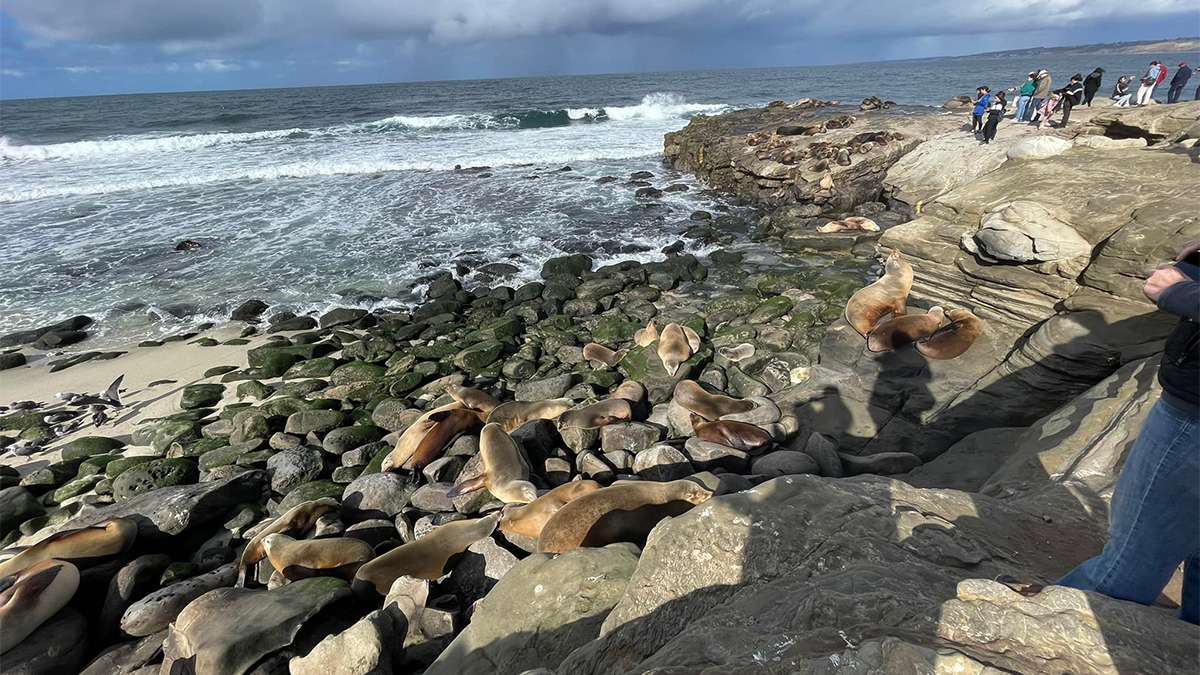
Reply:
x=851, y=224
x=527, y=520
x=426, y=558
x=298, y=520
x=303, y=558
x=693, y=398
x=593, y=519
x=473, y=399
x=84, y=546
x=736, y=435
x=32, y=596
x=904, y=330
x=737, y=353
x=646, y=336
x=596, y=415
x=425, y=440
x=598, y=353
x=505, y=469
x=676, y=344
x=887, y=295
x=953, y=339
x=515, y=413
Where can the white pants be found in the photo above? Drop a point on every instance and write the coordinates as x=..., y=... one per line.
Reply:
x=1145, y=92
x=1122, y=100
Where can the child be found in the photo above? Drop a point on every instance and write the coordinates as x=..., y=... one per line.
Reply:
x=1048, y=109
x=995, y=111
x=981, y=103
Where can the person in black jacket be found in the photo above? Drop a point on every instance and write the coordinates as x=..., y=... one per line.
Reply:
x=1155, y=516
x=1091, y=85
x=1072, y=95
x=1178, y=83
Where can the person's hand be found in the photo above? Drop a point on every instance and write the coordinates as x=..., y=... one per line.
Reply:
x=1188, y=249
x=1161, y=280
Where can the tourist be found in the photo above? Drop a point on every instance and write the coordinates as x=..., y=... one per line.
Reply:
x=1070, y=96
x=1120, y=95
x=1040, y=94
x=1178, y=83
x=1156, y=503
x=995, y=111
x=982, y=98
x=1091, y=85
x=1150, y=78
x=1024, y=94
x=1047, y=110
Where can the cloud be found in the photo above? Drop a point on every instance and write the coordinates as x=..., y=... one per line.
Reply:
x=12, y=72
x=216, y=66
x=79, y=70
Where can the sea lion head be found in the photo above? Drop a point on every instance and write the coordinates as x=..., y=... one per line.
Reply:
x=695, y=493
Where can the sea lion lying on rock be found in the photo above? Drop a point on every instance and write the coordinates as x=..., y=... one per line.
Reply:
x=425, y=440
x=676, y=344
x=598, y=353
x=83, y=546
x=515, y=413
x=298, y=520
x=904, y=330
x=850, y=224
x=596, y=415
x=303, y=558
x=695, y=399
x=425, y=558
x=953, y=339
x=33, y=595
x=617, y=513
x=505, y=469
x=888, y=295
x=527, y=520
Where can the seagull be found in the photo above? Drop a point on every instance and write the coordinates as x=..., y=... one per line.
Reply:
x=110, y=397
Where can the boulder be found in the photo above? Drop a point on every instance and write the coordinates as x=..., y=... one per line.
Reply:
x=1027, y=232
x=378, y=494
x=291, y=468
x=662, y=463
x=1038, y=147
x=59, y=645
x=154, y=475
x=158, y=609
x=783, y=463
x=372, y=646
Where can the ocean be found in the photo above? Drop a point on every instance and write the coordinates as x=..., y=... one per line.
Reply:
x=315, y=197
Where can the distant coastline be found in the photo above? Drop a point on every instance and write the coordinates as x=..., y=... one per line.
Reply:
x=1174, y=45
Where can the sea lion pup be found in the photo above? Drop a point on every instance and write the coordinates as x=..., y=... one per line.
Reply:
x=736, y=353
x=528, y=520
x=582, y=521
x=903, y=330
x=425, y=558
x=596, y=415
x=32, y=596
x=695, y=399
x=515, y=413
x=736, y=435
x=298, y=520
x=676, y=344
x=83, y=546
x=887, y=295
x=425, y=440
x=303, y=558
x=598, y=353
x=646, y=336
x=473, y=399
x=505, y=469
x=953, y=339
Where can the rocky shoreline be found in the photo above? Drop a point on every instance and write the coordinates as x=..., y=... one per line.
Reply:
x=802, y=558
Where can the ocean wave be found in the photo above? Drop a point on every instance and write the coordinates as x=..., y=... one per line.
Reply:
x=134, y=145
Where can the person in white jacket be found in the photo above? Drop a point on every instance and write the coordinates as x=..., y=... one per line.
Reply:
x=1146, y=91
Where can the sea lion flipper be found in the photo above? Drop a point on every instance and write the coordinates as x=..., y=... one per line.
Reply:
x=469, y=485
x=693, y=338
x=884, y=318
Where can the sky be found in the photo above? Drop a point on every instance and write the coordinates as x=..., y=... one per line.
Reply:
x=86, y=47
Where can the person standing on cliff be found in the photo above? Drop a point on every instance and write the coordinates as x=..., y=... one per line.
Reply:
x=1178, y=82
x=995, y=111
x=1120, y=95
x=1040, y=93
x=1069, y=97
x=1155, y=516
x=1024, y=95
x=982, y=98
x=1150, y=78
x=1091, y=85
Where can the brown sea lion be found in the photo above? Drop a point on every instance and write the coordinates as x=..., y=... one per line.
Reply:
x=630, y=390
x=695, y=399
x=303, y=558
x=298, y=520
x=515, y=413
x=582, y=522
x=737, y=435
x=953, y=339
x=646, y=336
x=83, y=546
x=528, y=520
x=473, y=399
x=598, y=353
x=887, y=295
x=851, y=224
x=425, y=558
x=676, y=344
x=736, y=353
x=32, y=596
x=904, y=330
x=763, y=414
x=505, y=469
x=428, y=437
x=599, y=414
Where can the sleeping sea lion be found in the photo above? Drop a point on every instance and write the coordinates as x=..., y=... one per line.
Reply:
x=32, y=596
x=887, y=295
x=904, y=330
x=515, y=413
x=425, y=558
x=694, y=398
x=676, y=344
x=425, y=440
x=598, y=353
x=505, y=469
x=646, y=336
x=601, y=517
x=473, y=399
x=851, y=224
x=737, y=353
x=764, y=412
x=737, y=435
x=953, y=339
x=596, y=415
x=630, y=390
x=528, y=520
x=303, y=558
x=83, y=546
x=298, y=520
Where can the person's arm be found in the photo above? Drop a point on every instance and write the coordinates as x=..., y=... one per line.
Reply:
x=1181, y=299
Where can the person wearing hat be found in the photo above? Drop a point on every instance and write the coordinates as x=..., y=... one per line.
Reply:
x=1179, y=82
x=1091, y=85
x=1024, y=95
x=1149, y=80
x=1041, y=92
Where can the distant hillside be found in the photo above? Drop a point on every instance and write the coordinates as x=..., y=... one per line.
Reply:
x=1175, y=45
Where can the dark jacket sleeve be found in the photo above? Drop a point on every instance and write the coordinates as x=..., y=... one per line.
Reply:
x=1182, y=299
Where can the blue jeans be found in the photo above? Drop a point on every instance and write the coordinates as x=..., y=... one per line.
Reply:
x=1034, y=105
x=1155, y=517
x=1022, y=103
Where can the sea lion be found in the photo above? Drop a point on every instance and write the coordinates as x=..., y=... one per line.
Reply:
x=763, y=414
x=303, y=558
x=694, y=398
x=737, y=353
x=953, y=339
x=528, y=520
x=737, y=435
x=425, y=440
x=32, y=596
x=425, y=558
x=646, y=336
x=903, y=330
x=851, y=224
x=83, y=546
x=676, y=344
x=505, y=469
x=887, y=295
x=826, y=182
x=473, y=399
x=630, y=390
x=298, y=519
x=515, y=413
x=598, y=353
x=596, y=415
x=582, y=522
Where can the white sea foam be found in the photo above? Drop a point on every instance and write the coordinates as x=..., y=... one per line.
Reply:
x=133, y=145
x=660, y=106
